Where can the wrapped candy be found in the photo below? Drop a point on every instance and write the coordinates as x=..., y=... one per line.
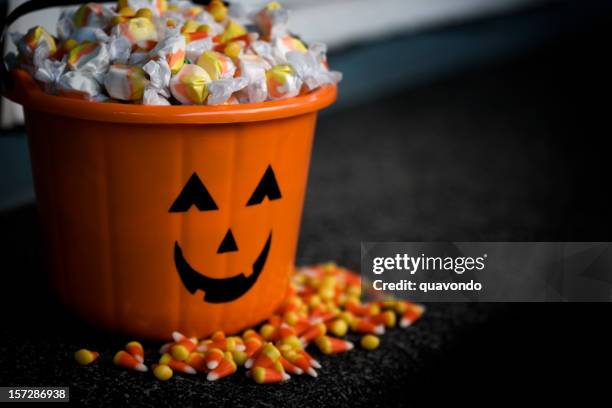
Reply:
x=49, y=73
x=160, y=52
x=159, y=75
x=158, y=7
x=90, y=34
x=252, y=68
x=232, y=30
x=79, y=85
x=190, y=85
x=119, y=49
x=33, y=39
x=221, y=91
x=157, y=91
x=311, y=68
x=92, y=15
x=137, y=30
x=173, y=50
x=282, y=45
x=152, y=97
x=89, y=57
x=125, y=83
x=195, y=48
x=282, y=82
x=217, y=65
x=265, y=51
x=272, y=20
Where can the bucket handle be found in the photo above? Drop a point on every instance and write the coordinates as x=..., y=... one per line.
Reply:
x=6, y=82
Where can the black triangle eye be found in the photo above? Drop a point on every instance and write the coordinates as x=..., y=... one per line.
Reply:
x=267, y=187
x=194, y=193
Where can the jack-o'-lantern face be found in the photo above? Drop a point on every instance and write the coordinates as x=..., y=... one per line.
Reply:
x=195, y=194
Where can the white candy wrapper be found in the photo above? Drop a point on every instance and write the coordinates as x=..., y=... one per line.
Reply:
x=253, y=69
x=92, y=15
x=196, y=48
x=312, y=70
x=265, y=51
x=282, y=45
x=80, y=83
x=65, y=24
x=119, y=49
x=49, y=74
x=41, y=54
x=152, y=97
x=90, y=34
x=222, y=90
x=138, y=58
x=171, y=49
x=272, y=22
x=159, y=76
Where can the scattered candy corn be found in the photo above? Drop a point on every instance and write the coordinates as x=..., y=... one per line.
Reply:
x=322, y=305
x=370, y=342
x=126, y=360
x=85, y=357
x=162, y=372
x=136, y=350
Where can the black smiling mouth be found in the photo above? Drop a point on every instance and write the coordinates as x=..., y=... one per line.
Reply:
x=219, y=290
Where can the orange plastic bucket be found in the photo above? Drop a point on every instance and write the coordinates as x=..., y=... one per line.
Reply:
x=169, y=218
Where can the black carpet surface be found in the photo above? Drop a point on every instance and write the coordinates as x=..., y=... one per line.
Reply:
x=507, y=152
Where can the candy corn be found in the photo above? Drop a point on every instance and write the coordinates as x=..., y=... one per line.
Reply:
x=86, y=357
x=126, y=360
x=176, y=365
x=180, y=350
x=263, y=375
x=322, y=305
x=162, y=372
x=136, y=350
x=332, y=345
x=226, y=367
x=213, y=357
x=412, y=314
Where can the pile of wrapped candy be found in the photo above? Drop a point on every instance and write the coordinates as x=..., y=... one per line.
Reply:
x=159, y=52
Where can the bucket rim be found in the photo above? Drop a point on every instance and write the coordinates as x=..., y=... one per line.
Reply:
x=29, y=94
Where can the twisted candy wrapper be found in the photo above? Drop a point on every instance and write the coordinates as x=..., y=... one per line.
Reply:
x=272, y=20
x=221, y=91
x=49, y=73
x=75, y=83
x=195, y=48
x=311, y=68
x=157, y=91
x=252, y=68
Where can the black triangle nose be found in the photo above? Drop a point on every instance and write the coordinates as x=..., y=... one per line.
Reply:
x=228, y=244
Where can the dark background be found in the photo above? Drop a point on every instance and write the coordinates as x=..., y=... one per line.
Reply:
x=514, y=150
